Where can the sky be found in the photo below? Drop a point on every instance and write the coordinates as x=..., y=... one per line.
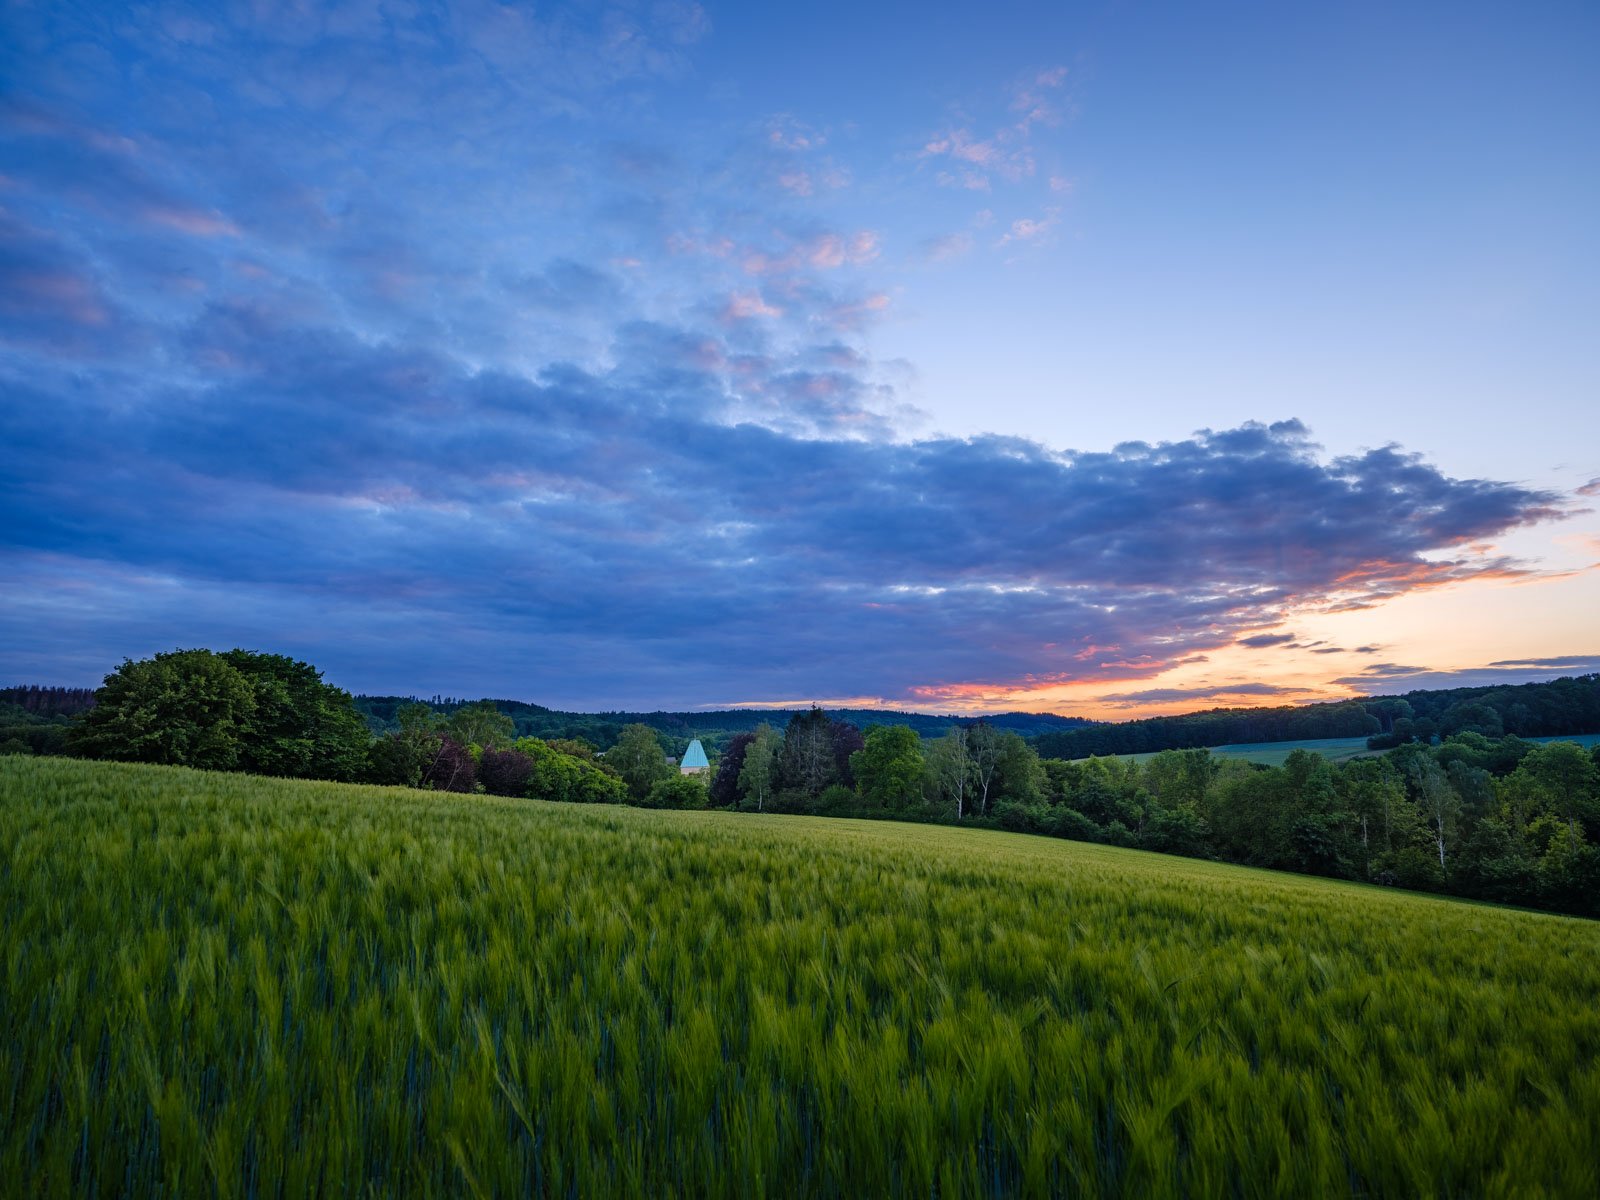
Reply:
x=1108, y=359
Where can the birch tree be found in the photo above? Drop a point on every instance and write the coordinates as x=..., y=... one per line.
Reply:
x=1440, y=803
x=760, y=765
x=950, y=760
x=983, y=742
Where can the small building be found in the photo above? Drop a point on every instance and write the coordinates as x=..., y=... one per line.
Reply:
x=694, y=760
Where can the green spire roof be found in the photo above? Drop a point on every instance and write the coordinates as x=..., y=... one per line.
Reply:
x=695, y=755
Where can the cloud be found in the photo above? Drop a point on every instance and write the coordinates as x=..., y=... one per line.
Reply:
x=611, y=538
x=744, y=305
x=1391, y=678
x=1034, y=230
x=1035, y=98
x=1261, y=641
x=946, y=247
x=977, y=160
x=1592, y=488
x=1182, y=695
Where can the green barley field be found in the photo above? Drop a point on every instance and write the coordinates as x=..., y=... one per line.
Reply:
x=219, y=985
x=1274, y=754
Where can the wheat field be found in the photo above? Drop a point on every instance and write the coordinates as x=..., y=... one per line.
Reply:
x=221, y=985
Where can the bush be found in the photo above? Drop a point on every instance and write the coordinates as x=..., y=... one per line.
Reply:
x=677, y=791
x=1018, y=817
x=837, y=801
x=1119, y=834
x=1070, y=823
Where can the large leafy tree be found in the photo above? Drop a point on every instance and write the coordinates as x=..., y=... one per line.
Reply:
x=300, y=725
x=401, y=757
x=568, y=777
x=639, y=759
x=187, y=708
x=481, y=724
x=889, y=766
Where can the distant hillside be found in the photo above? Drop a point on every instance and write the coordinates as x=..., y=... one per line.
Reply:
x=34, y=720
x=1563, y=706
x=713, y=728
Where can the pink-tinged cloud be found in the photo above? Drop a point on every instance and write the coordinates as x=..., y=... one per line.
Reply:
x=1592, y=488
x=855, y=314
x=973, y=181
x=1031, y=100
x=785, y=133
x=192, y=221
x=943, y=249
x=959, y=144
x=1031, y=229
x=798, y=182
x=68, y=296
x=689, y=244
x=744, y=306
x=834, y=250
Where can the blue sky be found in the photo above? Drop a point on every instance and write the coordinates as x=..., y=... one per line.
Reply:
x=1104, y=358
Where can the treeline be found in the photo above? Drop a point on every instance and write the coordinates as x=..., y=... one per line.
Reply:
x=1214, y=727
x=48, y=701
x=1493, y=819
x=714, y=728
x=1555, y=709
x=34, y=720
x=1498, y=819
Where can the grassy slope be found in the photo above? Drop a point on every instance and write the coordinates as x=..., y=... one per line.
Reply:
x=1273, y=754
x=263, y=986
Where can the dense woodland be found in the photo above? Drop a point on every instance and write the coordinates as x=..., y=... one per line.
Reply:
x=1565, y=706
x=715, y=728
x=1479, y=812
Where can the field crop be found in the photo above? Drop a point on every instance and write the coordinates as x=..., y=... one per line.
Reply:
x=227, y=985
x=1274, y=754
x=1586, y=740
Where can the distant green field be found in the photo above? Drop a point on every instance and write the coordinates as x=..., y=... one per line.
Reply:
x=1583, y=739
x=1272, y=754
x=225, y=985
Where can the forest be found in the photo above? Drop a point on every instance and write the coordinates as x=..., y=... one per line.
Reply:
x=1564, y=706
x=1477, y=812
x=715, y=726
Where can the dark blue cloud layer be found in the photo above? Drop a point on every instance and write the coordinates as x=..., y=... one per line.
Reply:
x=597, y=539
